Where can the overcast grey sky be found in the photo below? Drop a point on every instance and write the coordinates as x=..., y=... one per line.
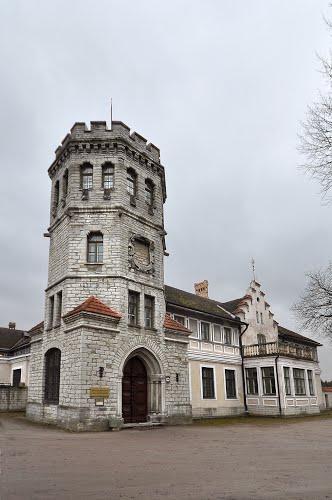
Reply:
x=220, y=86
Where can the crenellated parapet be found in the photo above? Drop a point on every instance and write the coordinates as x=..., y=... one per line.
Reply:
x=100, y=137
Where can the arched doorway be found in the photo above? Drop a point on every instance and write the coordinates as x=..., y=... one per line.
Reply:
x=134, y=391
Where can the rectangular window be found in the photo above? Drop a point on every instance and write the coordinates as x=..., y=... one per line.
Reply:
x=50, y=311
x=311, y=383
x=269, y=385
x=16, y=377
x=228, y=336
x=108, y=176
x=87, y=177
x=288, y=389
x=252, y=382
x=261, y=317
x=58, y=308
x=133, y=307
x=131, y=182
x=193, y=326
x=230, y=384
x=257, y=317
x=299, y=381
x=207, y=383
x=180, y=319
x=205, y=331
x=217, y=333
x=95, y=248
x=148, y=311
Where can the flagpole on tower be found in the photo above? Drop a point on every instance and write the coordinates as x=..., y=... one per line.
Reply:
x=253, y=268
x=111, y=113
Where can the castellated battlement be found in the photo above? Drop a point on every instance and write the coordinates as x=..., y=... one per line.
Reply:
x=99, y=131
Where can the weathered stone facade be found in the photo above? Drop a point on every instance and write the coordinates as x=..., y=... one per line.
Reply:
x=94, y=348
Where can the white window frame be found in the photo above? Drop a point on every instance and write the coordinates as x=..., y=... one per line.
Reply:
x=290, y=381
x=198, y=327
x=210, y=331
x=313, y=382
x=224, y=336
x=275, y=381
x=236, y=384
x=214, y=382
x=180, y=316
x=221, y=341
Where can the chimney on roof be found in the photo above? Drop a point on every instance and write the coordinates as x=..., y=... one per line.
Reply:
x=202, y=289
x=12, y=325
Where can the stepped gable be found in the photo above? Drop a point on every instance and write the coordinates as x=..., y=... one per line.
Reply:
x=94, y=306
x=187, y=300
x=172, y=324
x=286, y=334
x=236, y=306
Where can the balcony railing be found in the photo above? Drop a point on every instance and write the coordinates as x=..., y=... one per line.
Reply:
x=282, y=348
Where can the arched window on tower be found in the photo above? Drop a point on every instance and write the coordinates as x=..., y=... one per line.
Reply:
x=149, y=193
x=95, y=248
x=107, y=179
x=108, y=176
x=87, y=176
x=64, y=187
x=56, y=197
x=132, y=184
x=52, y=376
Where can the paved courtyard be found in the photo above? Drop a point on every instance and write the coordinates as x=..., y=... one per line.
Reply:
x=251, y=460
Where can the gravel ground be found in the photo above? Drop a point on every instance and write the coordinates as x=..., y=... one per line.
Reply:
x=277, y=460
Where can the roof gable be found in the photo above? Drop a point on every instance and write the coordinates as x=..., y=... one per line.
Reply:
x=94, y=306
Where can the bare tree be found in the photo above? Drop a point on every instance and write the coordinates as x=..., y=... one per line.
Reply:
x=316, y=138
x=314, y=308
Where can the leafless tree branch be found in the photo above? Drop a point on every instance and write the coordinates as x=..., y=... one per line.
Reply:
x=314, y=309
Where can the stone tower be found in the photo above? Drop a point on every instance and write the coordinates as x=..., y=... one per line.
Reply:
x=107, y=354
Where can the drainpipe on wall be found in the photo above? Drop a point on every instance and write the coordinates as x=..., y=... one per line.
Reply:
x=277, y=374
x=242, y=367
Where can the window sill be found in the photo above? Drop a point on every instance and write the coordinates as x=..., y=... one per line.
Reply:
x=150, y=329
x=137, y=327
x=94, y=263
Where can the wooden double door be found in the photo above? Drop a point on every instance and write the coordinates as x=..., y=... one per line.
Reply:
x=134, y=391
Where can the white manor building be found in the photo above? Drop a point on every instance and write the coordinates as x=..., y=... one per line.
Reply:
x=117, y=346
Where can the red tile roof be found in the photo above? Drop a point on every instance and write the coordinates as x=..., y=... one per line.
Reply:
x=95, y=306
x=327, y=389
x=171, y=324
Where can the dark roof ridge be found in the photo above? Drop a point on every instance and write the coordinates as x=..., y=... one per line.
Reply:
x=296, y=336
x=189, y=300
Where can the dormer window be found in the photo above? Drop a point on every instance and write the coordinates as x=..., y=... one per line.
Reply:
x=87, y=177
x=95, y=248
x=108, y=176
x=149, y=192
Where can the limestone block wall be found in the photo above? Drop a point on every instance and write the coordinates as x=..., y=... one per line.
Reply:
x=13, y=398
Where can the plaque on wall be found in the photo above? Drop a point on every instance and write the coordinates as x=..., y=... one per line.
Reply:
x=99, y=392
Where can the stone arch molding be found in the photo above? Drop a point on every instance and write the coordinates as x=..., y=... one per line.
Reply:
x=149, y=351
